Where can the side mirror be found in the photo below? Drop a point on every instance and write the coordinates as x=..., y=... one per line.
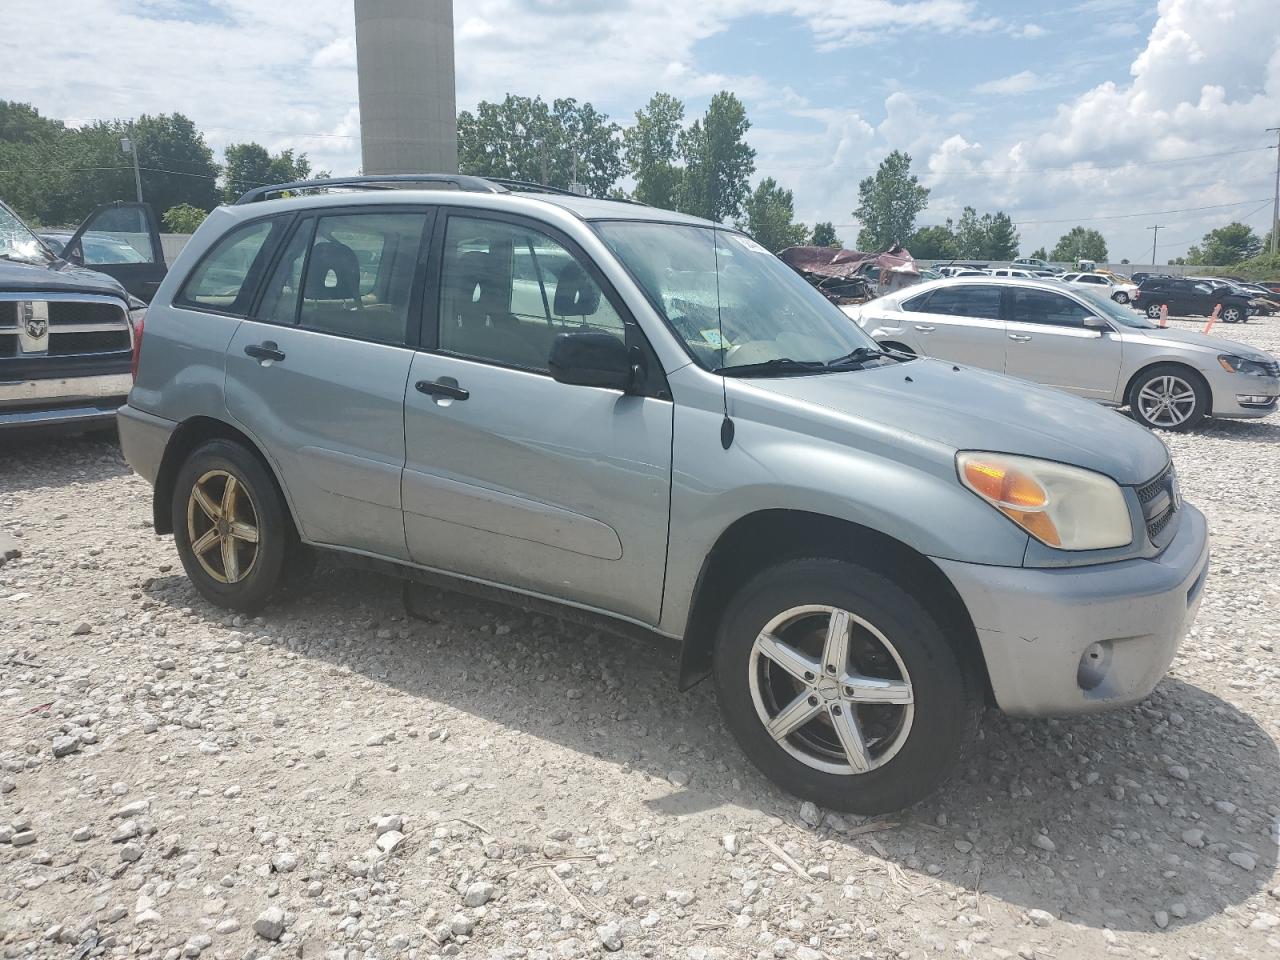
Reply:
x=590, y=358
x=1096, y=323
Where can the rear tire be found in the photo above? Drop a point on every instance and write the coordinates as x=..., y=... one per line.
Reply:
x=230, y=526
x=1120, y=297
x=904, y=708
x=1153, y=311
x=1169, y=397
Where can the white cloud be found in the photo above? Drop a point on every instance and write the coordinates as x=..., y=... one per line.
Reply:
x=1030, y=31
x=1012, y=85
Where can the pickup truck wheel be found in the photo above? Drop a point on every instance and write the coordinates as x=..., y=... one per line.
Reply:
x=229, y=526
x=841, y=688
x=1168, y=397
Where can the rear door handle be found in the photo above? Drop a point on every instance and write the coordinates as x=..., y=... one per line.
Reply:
x=925, y=328
x=264, y=351
x=438, y=388
x=1020, y=338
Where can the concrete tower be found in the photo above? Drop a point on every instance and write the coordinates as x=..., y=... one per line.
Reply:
x=408, y=113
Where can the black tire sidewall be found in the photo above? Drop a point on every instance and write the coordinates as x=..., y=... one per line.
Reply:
x=253, y=591
x=1184, y=373
x=948, y=701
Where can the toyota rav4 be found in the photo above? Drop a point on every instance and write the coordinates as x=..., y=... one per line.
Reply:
x=650, y=419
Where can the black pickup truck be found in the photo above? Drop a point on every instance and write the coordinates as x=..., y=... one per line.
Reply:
x=67, y=332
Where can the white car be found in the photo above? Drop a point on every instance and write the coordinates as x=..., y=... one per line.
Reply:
x=1121, y=291
x=1012, y=272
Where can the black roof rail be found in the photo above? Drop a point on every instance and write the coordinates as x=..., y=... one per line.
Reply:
x=379, y=182
x=531, y=186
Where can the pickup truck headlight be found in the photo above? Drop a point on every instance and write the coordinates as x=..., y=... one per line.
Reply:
x=1062, y=506
x=1234, y=364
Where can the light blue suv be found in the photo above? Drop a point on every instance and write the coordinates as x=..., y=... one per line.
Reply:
x=646, y=418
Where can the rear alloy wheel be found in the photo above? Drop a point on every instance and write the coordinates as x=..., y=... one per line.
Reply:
x=1120, y=296
x=1231, y=314
x=841, y=688
x=1153, y=311
x=1168, y=398
x=230, y=526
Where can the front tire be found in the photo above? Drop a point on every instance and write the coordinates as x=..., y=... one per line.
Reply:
x=841, y=688
x=1168, y=397
x=1232, y=314
x=230, y=526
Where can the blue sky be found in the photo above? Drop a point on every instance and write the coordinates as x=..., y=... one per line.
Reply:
x=1116, y=114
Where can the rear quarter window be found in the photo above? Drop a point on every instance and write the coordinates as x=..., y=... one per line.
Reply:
x=225, y=279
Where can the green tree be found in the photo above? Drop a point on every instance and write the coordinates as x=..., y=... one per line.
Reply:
x=650, y=149
x=970, y=236
x=1001, y=236
x=1227, y=245
x=717, y=161
x=771, y=217
x=177, y=165
x=1080, y=243
x=249, y=165
x=824, y=235
x=934, y=243
x=1039, y=253
x=889, y=202
x=184, y=218
x=528, y=139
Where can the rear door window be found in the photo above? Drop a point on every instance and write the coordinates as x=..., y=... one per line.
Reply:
x=970, y=300
x=226, y=279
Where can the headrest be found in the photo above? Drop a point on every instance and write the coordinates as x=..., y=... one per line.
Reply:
x=333, y=273
x=577, y=295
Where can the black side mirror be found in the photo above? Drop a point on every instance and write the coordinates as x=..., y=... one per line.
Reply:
x=589, y=358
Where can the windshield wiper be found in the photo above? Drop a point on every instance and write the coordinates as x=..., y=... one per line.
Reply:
x=778, y=366
x=859, y=355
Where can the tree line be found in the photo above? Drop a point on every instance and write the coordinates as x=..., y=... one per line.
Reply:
x=54, y=174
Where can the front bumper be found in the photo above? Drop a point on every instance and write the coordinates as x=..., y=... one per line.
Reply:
x=1238, y=397
x=1082, y=639
x=62, y=401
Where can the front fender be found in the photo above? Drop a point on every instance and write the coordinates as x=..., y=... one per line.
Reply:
x=902, y=487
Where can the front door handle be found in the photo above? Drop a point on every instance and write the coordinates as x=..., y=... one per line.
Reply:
x=1019, y=338
x=439, y=388
x=264, y=351
x=925, y=328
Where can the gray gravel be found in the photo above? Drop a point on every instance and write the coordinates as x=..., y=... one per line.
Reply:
x=336, y=780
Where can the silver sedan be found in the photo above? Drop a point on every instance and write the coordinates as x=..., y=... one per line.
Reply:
x=1079, y=341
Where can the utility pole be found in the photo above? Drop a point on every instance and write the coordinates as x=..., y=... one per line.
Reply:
x=128, y=146
x=1275, y=208
x=1154, y=236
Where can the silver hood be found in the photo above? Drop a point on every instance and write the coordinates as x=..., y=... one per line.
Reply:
x=960, y=408
x=1216, y=345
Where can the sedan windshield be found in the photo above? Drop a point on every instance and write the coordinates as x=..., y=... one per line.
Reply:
x=737, y=308
x=1120, y=313
x=17, y=242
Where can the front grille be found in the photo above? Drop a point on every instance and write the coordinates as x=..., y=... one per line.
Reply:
x=8, y=313
x=62, y=312
x=104, y=341
x=1159, y=500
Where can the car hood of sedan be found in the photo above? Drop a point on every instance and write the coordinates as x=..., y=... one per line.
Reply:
x=965, y=409
x=1216, y=344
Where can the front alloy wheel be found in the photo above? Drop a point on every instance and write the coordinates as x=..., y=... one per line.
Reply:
x=1169, y=397
x=1230, y=314
x=842, y=688
x=831, y=689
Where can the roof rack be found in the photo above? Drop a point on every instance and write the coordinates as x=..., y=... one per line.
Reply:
x=530, y=186
x=383, y=182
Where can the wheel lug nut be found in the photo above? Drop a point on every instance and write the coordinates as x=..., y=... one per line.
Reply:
x=809, y=677
x=813, y=701
x=837, y=710
x=831, y=668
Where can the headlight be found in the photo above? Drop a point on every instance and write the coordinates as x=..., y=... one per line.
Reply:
x=1065, y=507
x=1234, y=364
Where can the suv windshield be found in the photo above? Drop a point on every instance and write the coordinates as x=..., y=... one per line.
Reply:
x=17, y=242
x=735, y=306
x=1120, y=313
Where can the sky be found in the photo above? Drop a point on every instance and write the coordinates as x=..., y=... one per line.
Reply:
x=1114, y=114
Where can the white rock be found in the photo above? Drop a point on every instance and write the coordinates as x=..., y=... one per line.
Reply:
x=479, y=893
x=387, y=842
x=610, y=936
x=1041, y=918
x=270, y=924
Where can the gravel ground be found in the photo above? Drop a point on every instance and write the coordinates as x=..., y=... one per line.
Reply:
x=335, y=779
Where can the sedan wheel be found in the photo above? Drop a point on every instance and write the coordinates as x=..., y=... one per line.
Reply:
x=831, y=689
x=1169, y=397
x=1120, y=296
